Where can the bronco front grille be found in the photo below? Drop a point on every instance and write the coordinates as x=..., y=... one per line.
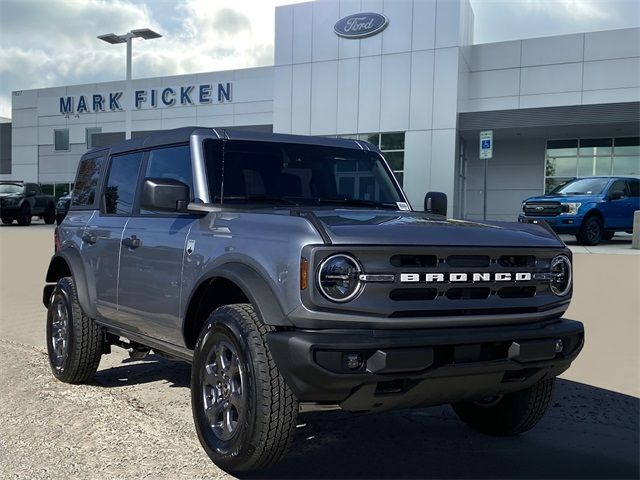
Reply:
x=445, y=281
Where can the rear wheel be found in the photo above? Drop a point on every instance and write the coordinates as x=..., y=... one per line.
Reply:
x=24, y=216
x=50, y=215
x=74, y=341
x=591, y=231
x=507, y=415
x=244, y=412
x=7, y=220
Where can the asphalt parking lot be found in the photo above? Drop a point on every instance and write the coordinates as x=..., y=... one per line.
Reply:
x=135, y=419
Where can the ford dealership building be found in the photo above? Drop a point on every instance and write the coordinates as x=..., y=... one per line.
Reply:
x=404, y=75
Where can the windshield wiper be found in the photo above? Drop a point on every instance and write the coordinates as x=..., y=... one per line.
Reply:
x=258, y=198
x=358, y=203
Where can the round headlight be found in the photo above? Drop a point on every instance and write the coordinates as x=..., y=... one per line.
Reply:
x=561, y=277
x=339, y=277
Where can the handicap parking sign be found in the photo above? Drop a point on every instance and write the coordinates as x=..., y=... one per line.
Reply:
x=486, y=144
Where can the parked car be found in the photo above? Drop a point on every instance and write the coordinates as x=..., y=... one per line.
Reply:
x=293, y=274
x=62, y=207
x=22, y=200
x=591, y=208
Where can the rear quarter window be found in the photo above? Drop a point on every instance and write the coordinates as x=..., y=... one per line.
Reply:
x=86, y=184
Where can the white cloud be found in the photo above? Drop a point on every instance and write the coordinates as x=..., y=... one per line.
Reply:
x=47, y=43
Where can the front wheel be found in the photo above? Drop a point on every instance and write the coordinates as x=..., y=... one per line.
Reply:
x=7, y=220
x=24, y=216
x=507, y=415
x=244, y=412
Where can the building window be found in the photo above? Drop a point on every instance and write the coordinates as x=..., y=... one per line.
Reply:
x=569, y=159
x=47, y=188
x=61, y=139
x=89, y=132
x=392, y=147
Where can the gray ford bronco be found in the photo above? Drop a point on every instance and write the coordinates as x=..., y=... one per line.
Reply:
x=293, y=275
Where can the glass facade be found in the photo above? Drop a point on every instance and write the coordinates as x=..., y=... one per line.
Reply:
x=56, y=189
x=61, y=139
x=568, y=159
x=392, y=147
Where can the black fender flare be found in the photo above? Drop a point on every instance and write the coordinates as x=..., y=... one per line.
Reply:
x=254, y=287
x=86, y=293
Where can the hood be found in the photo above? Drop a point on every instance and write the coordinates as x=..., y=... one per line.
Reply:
x=566, y=198
x=11, y=194
x=380, y=227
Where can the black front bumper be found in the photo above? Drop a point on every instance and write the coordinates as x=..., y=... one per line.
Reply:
x=405, y=368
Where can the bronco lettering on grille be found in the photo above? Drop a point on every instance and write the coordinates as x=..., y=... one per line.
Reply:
x=465, y=277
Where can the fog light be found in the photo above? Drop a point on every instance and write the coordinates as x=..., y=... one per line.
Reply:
x=353, y=361
x=559, y=345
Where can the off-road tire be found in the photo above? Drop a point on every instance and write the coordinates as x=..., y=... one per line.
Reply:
x=512, y=414
x=24, y=216
x=265, y=433
x=591, y=231
x=84, y=337
x=49, y=216
x=7, y=220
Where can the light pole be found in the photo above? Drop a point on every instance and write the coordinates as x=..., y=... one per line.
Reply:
x=112, y=38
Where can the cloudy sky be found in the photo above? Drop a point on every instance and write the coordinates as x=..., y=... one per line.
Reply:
x=47, y=43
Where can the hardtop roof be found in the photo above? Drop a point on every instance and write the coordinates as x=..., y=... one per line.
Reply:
x=183, y=135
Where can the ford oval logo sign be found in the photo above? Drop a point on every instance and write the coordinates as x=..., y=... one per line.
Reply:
x=360, y=25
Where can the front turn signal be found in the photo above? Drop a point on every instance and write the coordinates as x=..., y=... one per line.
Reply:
x=304, y=274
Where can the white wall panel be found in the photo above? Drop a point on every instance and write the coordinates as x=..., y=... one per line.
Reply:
x=371, y=45
x=302, y=20
x=24, y=136
x=347, y=109
x=424, y=24
x=442, y=171
x=445, y=88
x=551, y=79
x=22, y=155
x=26, y=172
x=324, y=98
x=146, y=125
x=325, y=41
x=26, y=117
x=492, y=56
x=348, y=48
x=24, y=99
x=369, y=97
x=283, y=77
x=549, y=50
x=612, y=44
x=494, y=83
x=395, y=92
x=301, y=99
x=550, y=99
x=397, y=36
x=417, y=165
x=283, y=46
x=421, y=97
x=447, y=23
x=605, y=74
x=491, y=103
x=251, y=119
x=611, y=96
x=253, y=107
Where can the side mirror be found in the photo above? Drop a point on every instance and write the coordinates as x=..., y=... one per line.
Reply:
x=165, y=195
x=616, y=194
x=31, y=193
x=436, y=203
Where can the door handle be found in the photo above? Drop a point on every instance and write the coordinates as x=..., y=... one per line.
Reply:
x=132, y=242
x=90, y=238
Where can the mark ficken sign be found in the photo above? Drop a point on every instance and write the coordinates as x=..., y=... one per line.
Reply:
x=207, y=93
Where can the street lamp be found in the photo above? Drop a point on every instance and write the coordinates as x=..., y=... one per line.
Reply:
x=112, y=38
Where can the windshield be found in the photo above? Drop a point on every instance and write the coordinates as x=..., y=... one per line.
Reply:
x=298, y=174
x=10, y=188
x=582, y=186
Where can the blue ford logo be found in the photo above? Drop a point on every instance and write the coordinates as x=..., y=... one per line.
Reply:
x=360, y=25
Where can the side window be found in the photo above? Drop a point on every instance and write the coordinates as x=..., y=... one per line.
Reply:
x=84, y=193
x=122, y=180
x=634, y=188
x=619, y=185
x=171, y=162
